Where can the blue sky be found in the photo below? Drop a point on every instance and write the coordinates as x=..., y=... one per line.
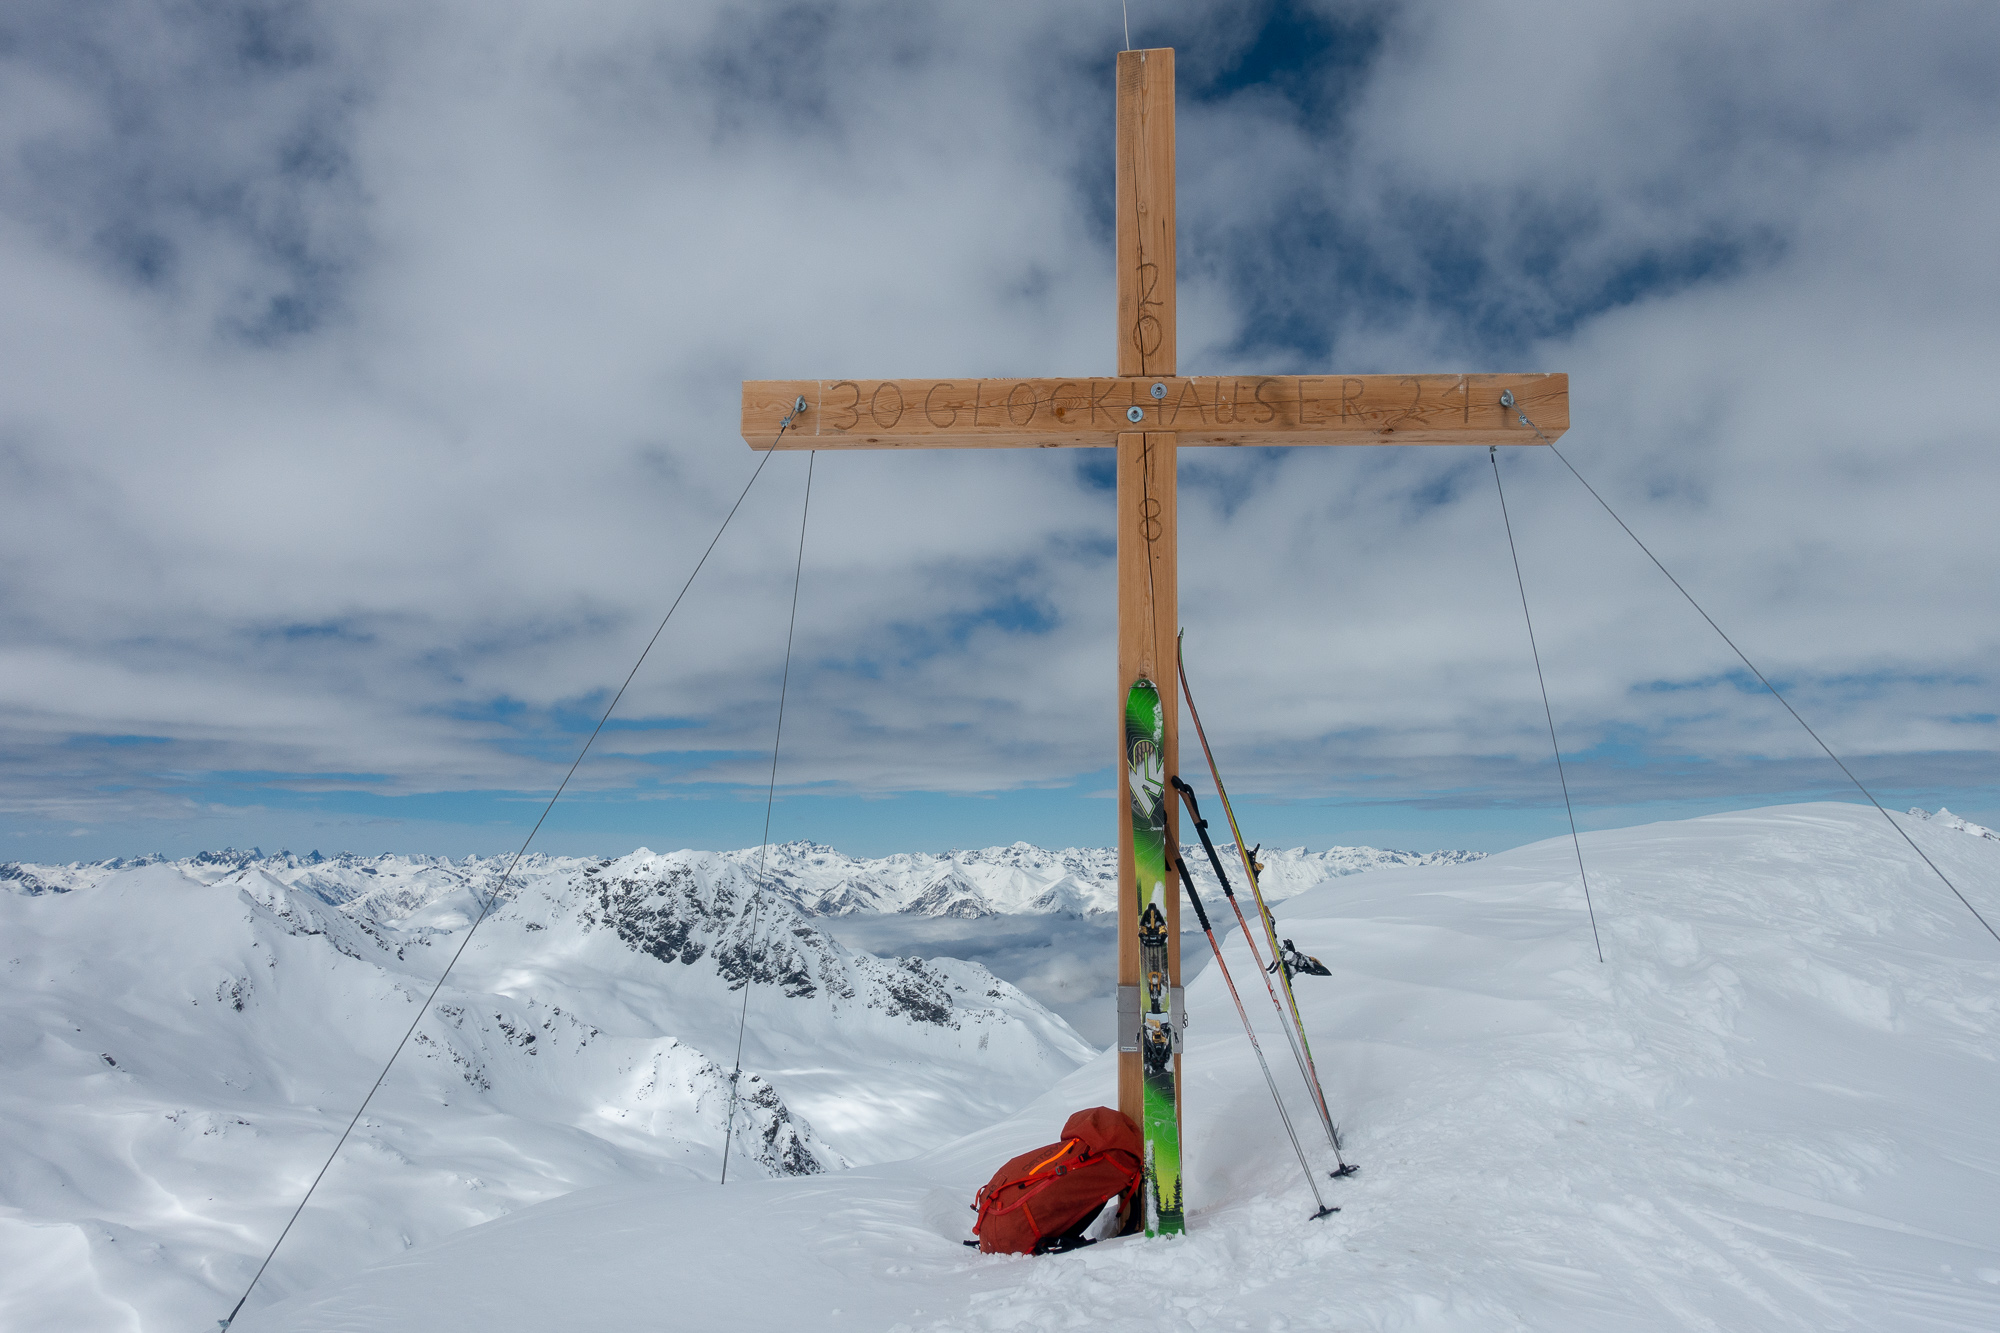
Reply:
x=370, y=384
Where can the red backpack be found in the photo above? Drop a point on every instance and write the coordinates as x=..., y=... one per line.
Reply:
x=1045, y=1199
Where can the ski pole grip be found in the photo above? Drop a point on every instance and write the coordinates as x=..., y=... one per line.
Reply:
x=1187, y=797
x=1193, y=897
x=1207, y=843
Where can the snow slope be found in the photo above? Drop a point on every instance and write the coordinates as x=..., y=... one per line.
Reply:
x=183, y=1044
x=1770, y=1108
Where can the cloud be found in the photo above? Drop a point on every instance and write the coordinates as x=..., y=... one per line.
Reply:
x=370, y=383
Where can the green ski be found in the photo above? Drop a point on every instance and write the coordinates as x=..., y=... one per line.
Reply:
x=1146, y=783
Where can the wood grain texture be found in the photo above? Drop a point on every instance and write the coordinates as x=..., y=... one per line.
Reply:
x=1148, y=620
x=1145, y=211
x=1092, y=413
x=1147, y=335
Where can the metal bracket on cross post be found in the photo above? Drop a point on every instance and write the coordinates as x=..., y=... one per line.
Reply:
x=1129, y=1016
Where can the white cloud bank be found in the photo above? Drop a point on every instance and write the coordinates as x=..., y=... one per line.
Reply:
x=367, y=386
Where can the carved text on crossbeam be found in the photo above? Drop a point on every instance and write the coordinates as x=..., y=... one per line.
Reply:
x=1090, y=413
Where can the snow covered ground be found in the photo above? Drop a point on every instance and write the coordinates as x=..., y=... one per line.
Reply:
x=1771, y=1107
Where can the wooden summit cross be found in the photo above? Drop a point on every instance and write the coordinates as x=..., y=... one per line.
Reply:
x=1145, y=412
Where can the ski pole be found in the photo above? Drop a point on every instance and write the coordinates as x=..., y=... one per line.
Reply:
x=1251, y=1033
x=1215, y=861
x=1207, y=845
x=1250, y=873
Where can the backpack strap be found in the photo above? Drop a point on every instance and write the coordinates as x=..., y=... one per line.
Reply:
x=1039, y=1178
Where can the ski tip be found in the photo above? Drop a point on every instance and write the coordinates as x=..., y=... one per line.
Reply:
x=1346, y=1169
x=1328, y=1208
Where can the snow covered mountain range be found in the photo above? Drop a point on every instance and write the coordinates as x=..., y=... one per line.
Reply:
x=185, y=1040
x=815, y=879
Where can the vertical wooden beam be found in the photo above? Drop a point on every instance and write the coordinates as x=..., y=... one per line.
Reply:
x=1145, y=204
x=1148, y=602
x=1147, y=624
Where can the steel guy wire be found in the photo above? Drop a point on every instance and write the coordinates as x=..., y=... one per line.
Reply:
x=1493, y=457
x=487, y=903
x=1507, y=400
x=770, y=799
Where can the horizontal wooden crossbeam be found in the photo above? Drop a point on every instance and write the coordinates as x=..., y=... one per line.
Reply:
x=1090, y=413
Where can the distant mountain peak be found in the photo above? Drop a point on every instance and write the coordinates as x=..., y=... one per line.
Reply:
x=1950, y=820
